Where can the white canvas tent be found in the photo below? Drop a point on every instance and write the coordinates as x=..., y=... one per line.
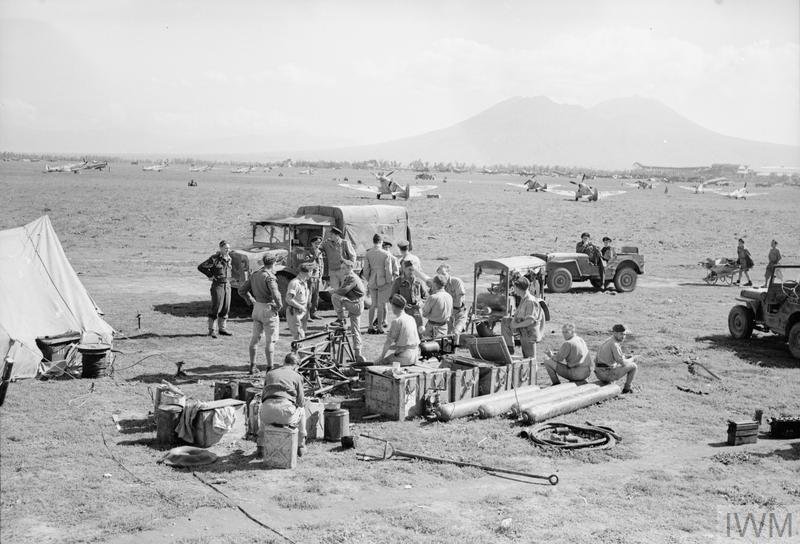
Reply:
x=40, y=295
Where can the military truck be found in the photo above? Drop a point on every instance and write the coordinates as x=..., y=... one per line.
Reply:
x=288, y=238
x=773, y=309
x=565, y=268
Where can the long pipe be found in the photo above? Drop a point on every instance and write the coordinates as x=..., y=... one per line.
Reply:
x=517, y=409
x=495, y=407
x=541, y=413
x=466, y=407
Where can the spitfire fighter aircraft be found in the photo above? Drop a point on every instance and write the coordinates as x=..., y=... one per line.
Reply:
x=74, y=167
x=389, y=187
x=642, y=183
x=585, y=192
x=739, y=194
x=534, y=185
x=96, y=165
x=242, y=170
x=204, y=168
x=307, y=172
x=155, y=167
x=700, y=188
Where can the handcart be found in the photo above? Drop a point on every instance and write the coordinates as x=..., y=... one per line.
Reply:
x=720, y=271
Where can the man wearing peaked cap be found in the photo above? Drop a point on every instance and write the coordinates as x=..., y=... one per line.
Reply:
x=337, y=249
x=402, y=338
x=610, y=364
x=406, y=255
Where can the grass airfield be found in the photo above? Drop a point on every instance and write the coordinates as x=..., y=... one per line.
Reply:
x=136, y=237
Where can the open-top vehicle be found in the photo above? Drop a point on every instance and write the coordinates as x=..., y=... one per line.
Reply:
x=565, y=268
x=773, y=309
x=288, y=238
x=493, y=295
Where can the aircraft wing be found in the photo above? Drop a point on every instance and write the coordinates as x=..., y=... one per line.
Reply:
x=755, y=194
x=417, y=190
x=552, y=186
x=520, y=185
x=365, y=188
x=686, y=187
x=606, y=194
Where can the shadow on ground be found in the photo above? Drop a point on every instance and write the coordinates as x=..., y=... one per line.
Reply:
x=194, y=374
x=767, y=351
x=199, y=308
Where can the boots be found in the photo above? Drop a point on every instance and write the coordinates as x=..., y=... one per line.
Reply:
x=211, y=332
x=223, y=326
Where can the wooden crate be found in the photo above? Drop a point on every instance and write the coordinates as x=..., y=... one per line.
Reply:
x=398, y=397
x=522, y=372
x=491, y=377
x=55, y=348
x=464, y=383
x=742, y=432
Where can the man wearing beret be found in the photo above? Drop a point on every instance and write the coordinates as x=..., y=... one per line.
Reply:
x=402, y=337
x=610, y=364
x=336, y=250
x=528, y=320
x=217, y=268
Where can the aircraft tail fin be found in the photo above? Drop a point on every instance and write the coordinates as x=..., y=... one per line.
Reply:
x=406, y=192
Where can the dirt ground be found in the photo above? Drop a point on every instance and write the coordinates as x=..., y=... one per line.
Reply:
x=135, y=238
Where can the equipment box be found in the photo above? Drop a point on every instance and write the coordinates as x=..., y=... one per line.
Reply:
x=214, y=421
x=492, y=378
x=402, y=395
x=522, y=372
x=463, y=381
x=55, y=348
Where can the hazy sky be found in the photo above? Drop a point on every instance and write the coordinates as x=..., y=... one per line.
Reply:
x=115, y=76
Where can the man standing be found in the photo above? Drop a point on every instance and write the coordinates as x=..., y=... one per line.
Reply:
x=297, y=302
x=217, y=268
x=336, y=250
x=378, y=274
x=610, y=364
x=402, y=338
x=261, y=292
x=745, y=262
x=315, y=277
x=438, y=309
x=406, y=255
x=573, y=361
x=528, y=320
x=283, y=402
x=387, y=245
x=455, y=288
x=351, y=298
x=412, y=290
x=773, y=258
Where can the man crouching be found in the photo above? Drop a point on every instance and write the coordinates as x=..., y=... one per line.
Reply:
x=572, y=361
x=402, y=338
x=283, y=402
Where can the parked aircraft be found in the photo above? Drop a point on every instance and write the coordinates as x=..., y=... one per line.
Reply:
x=96, y=165
x=388, y=187
x=307, y=172
x=585, y=192
x=155, y=167
x=642, y=183
x=739, y=194
x=74, y=167
x=701, y=187
x=203, y=168
x=534, y=185
x=242, y=170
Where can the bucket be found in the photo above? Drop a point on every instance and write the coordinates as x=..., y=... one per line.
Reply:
x=94, y=359
x=337, y=424
x=167, y=417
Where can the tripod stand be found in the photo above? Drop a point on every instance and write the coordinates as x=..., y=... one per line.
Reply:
x=325, y=359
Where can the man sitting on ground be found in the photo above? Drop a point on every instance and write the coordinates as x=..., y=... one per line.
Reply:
x=283, y=402
x=610, y=364
x=572, y=361
x=402, y=336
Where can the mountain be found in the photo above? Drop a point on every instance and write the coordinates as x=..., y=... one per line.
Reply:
x=613, y=134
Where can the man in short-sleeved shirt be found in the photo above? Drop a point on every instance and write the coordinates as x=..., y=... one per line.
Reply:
x=528, y=320
x=402, y=337
x=297, y=302
x=611, y=364
x=573, y=360
x=455, y=288
x=437, y=309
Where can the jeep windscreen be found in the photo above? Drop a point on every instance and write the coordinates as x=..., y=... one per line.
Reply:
x=490, y=290
x=271, y=236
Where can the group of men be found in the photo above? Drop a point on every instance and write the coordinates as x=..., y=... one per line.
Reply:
x=597, y=256
x=573, y=361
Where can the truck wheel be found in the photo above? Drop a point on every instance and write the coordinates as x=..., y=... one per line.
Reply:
x=740, y=322
x=559, y=281
x=625, y=279
x=794, y=340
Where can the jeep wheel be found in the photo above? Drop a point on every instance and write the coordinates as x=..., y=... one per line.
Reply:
x=794, y=340
x=625, y=280
x=740, y=322
x=559, y=281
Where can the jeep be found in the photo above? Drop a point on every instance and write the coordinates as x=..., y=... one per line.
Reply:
x=773, y=309
x=565, y=268
x=289, y=238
